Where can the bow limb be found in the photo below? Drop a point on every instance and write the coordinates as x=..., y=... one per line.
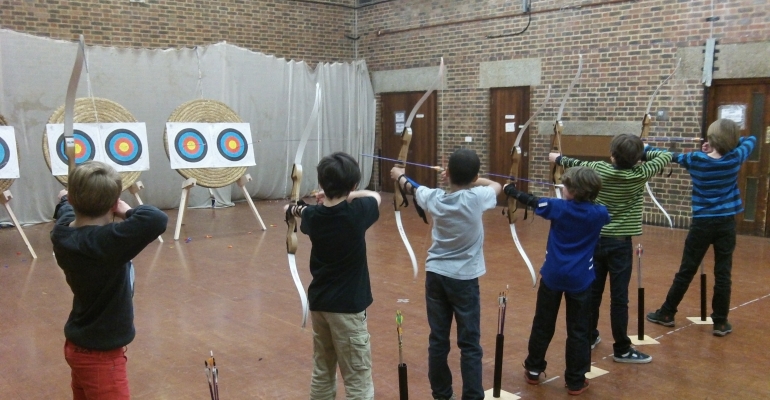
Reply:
x=69, y=106
x=406, y=139
x=514, y=172
x=646, y=122
x=558, y=127
x=291, y=220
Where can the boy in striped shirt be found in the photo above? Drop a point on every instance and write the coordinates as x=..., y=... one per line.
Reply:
x=622, y=193
x=715, y=202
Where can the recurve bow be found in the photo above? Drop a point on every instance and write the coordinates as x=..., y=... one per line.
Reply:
x=557, y=170
x=514, y=172
x=645, y=133
x=406, y=138
x=291, y=220
x=69, y=106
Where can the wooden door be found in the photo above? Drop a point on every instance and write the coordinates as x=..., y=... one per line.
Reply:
x=395, y=110
x=508, y=110
x=747, y=101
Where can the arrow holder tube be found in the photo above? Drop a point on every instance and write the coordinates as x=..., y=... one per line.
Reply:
x=702, y=293
x=498, y=365
x=403, y=384
x=640, y=312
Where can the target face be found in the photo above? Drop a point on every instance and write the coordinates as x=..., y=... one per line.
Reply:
x=190, y=145
x=232, y=145
x=123, y=147
x=84, y=148
x=5, y=153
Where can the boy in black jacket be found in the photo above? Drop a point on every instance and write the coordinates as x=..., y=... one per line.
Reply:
x=95, y=254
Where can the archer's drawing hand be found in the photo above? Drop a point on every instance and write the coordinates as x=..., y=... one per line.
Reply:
x=319, y=197
x=706, y=147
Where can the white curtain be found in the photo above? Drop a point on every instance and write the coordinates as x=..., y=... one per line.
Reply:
x=274, y=95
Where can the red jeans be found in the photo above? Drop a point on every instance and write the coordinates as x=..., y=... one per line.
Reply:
x=97, y=375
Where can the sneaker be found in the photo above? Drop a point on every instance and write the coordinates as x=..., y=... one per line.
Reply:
x=722, y=329
x=597, y=341
x=575, y=392
x=452, y=397
x=659, y=317
x=533, y=378
x=633, y=356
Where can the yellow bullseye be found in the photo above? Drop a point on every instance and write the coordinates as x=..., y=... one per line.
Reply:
x=123, y=147
x=232, y=145
x=191, y=145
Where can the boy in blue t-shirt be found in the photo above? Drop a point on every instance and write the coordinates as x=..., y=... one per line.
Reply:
x=576, y=222
x=715, y=202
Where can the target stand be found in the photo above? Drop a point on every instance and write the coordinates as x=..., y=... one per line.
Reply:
x=7, y=159
x=134, y=190
x=192, y=146
x=5, y=197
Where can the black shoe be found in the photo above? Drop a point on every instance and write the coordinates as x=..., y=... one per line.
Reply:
x=722, y=329
x=659, y=317
x=575, y=392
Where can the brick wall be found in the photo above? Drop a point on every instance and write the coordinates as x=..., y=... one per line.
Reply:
x=284, y=28
x=628, y=47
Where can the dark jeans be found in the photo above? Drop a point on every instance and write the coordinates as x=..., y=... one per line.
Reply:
x=613, y=256
x=720, y=232
x=578, y=354
x=444, y=298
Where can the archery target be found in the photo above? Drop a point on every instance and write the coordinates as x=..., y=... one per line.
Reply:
x=5, y=153
x=123, y=147
x=232, y=145
x=84, y=148
x=190, y=145
x=9, y=159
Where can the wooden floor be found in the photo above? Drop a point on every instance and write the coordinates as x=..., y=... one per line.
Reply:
x=232, y=293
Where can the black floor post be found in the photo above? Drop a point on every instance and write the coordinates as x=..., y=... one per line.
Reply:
x=403, y=385
x=498, y=379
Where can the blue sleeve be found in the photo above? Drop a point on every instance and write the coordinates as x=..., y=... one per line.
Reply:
x=549, y=208
x=745, y=147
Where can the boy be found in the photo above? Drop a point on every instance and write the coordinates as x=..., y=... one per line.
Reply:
x=622, y=190
x=715, y=202
x=95, y=254
x=576, y=223
x=455, y=262
x=340, y=291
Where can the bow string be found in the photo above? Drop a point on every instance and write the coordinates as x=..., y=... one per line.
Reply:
x=514, y=173
x=399, y=201
x=646, y=121
x=558, y=127
x=291, y=219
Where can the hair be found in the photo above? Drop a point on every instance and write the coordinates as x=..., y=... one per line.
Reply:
x=583, y=183
x=627, y=150
x=463, y=167
x=723, y=135
x=93, y=188
x=338, y=174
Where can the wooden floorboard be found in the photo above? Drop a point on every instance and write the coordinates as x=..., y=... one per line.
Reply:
x=232, y=293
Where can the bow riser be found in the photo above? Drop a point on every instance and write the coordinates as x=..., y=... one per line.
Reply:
x=406, y=139
x=69, y=107
x=557, y=170
x=513, y=204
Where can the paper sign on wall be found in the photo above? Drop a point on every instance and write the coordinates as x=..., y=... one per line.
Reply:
x=122, y=145
x=9, y=159
x=734, y=112
x=209, y=145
